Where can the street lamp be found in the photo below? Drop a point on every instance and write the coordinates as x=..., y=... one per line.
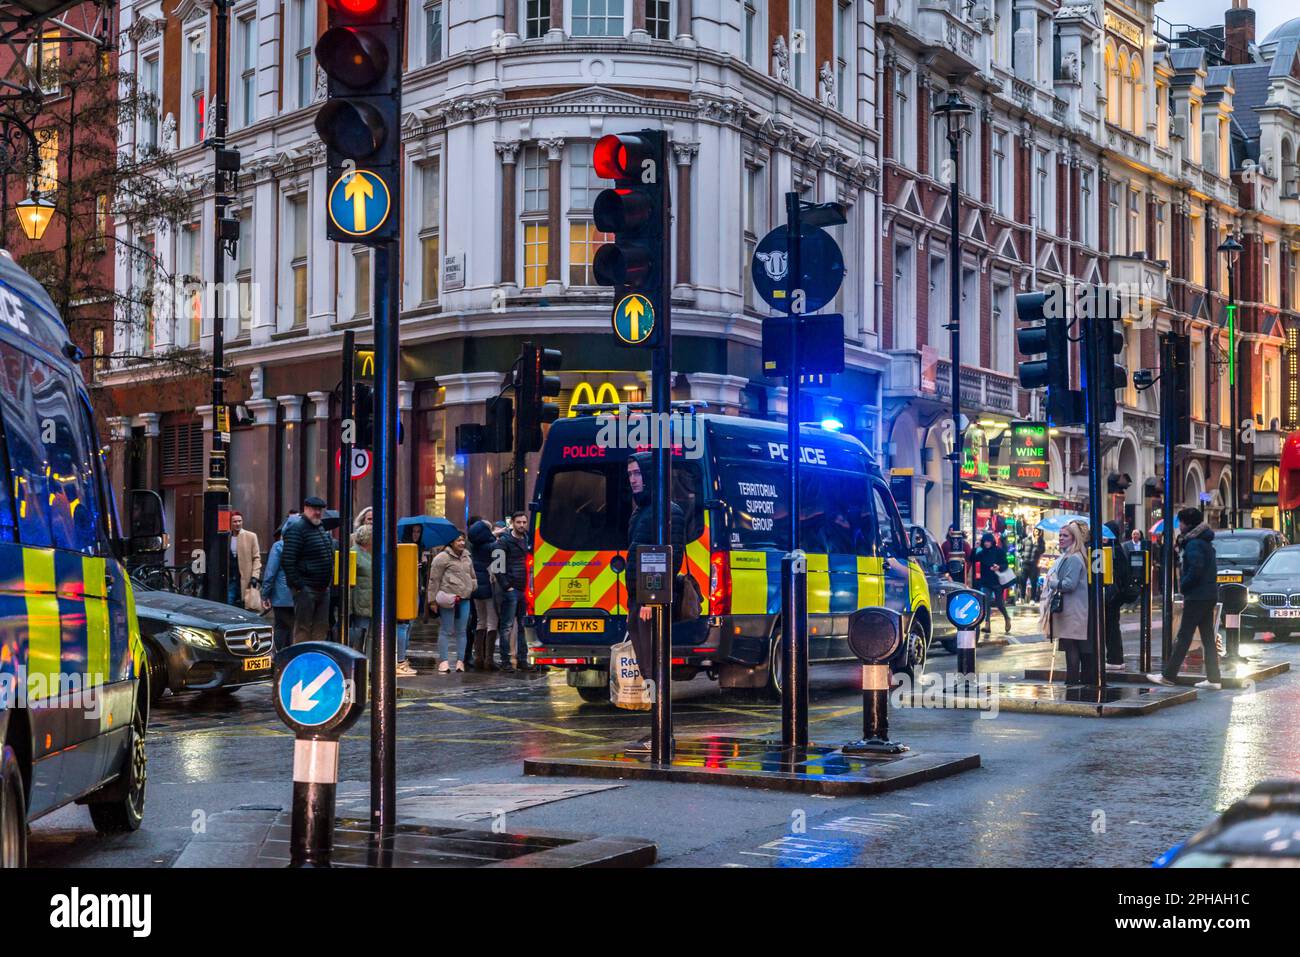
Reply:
x=34, y=215
x=955, y=112
x=1231, y=250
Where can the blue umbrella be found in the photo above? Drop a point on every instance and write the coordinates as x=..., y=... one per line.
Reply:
x=435, y=531
x=1055, y=523
x=1159, y=527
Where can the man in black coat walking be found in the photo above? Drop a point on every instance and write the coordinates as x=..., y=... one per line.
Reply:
x=514, y=546
x=641, y=477
x=1117, y=595
x=308, y=563
x=1199, y=581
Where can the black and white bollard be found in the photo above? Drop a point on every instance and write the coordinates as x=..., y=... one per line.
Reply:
x=320, y=692
x=1233, y=597
x=874, y=636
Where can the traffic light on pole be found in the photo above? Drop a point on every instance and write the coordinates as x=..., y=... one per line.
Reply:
x=1179, y=353
x=1047, y=335
x=1109, y=330
x=361, y=55
x=636, y=213
x=534, y=387
x=363, y=414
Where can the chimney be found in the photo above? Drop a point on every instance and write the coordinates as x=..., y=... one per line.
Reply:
x=1238, y=32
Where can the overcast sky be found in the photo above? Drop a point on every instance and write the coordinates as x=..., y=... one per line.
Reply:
x=1204, y=13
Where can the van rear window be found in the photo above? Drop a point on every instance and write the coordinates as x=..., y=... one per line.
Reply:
x=834, y=508
x=587, y=508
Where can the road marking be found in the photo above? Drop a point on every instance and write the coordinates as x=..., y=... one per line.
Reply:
x=535, y=725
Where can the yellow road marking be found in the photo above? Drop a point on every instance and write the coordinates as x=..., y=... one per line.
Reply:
x=537, y=726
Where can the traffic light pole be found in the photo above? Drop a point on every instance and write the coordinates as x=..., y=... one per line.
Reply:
x=383, y=664
x=1093, y=358
x=345, y=489
x=1167, y=430
x=954, y=347
x=216, y=492
x=520, y=454
x=794, y=569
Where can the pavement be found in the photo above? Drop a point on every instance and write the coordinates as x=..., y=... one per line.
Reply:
x=1050, y=791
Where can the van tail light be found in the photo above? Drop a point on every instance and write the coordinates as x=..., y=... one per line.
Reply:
x=719, y=584
x=529, y=594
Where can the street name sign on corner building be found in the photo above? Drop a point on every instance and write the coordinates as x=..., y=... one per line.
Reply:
x=359, y=202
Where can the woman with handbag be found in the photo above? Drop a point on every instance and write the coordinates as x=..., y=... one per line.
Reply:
x=451, y=582
x=1064, y=611
x=991, y=576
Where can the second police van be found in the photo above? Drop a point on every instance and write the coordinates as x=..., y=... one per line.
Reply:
x=730, y=479
x=73, y=695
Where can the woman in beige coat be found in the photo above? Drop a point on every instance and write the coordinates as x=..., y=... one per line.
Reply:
x=451, y=582
x=1068, y=622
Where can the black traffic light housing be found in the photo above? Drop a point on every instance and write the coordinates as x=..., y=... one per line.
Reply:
x=363, y=414
x=1178, y=349
x=1047, y=335
x=636, y=212
x=1109, y=332
x=533, y=387
x=360, y=121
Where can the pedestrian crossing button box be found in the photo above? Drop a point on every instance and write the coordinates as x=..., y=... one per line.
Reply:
x=875, y=634
x=320, y=688
x=654, y=578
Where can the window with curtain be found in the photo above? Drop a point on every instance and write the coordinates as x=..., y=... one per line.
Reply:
x=430, y=232
x=190, y=256
x=536, y=206
x=584, y=238
x=298, y=259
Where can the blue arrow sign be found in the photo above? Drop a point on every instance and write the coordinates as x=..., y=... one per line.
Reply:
x=964, y=610
x=359, y=202
x=634, y=319
x=312, y=689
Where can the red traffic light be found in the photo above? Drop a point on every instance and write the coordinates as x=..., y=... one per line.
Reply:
x=358, y=8
x=625, y=156
x=353, y=57
x=609, y=157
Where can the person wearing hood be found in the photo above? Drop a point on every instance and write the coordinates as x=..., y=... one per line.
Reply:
x=481, y=544
x=1199, y=582
x=990, y=562
x=641, y=477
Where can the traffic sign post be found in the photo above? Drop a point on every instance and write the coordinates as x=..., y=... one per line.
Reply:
x=965, y=608
x=1232, y=595
x=874, y=636
x=320, y=692
x=347, y=434
x=1139, y=562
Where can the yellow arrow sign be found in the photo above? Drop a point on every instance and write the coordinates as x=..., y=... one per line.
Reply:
x=634, y=311
x=358, y=190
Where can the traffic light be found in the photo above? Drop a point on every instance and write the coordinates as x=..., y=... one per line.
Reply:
x=360, y=120
x=533, y=387
x=1177, y=419
x=363, y=414
x=1109, y=338
x=498, y=432
x=636, y=212
x=1048, y=336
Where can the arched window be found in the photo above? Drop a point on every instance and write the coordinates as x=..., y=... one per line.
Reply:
x=1135, y=74
x=1126, y=93
x=1112, y=85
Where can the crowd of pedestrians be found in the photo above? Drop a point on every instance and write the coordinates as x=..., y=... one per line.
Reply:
x=473, y=586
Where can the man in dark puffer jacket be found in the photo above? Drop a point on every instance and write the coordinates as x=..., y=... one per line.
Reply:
x=308, y=563
x=1198, y=578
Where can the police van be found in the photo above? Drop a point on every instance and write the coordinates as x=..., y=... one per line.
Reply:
x=73, y=708
x=730, y=478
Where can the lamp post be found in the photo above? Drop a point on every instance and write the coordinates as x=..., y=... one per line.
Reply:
x=1231, y=250
x=955, y=112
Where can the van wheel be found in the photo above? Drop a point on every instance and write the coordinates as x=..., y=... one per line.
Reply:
x=916, y=653
x=120, y=805
x=594, y=695
x=13, y=812
x=775, y=676
x=157, y=668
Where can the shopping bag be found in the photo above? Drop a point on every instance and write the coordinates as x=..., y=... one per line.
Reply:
x=627, y=688
x=253, y=600
x=1006, y=576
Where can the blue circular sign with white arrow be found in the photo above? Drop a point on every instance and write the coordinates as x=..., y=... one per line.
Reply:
x=822, y=265
x=965, y=608
x=312, y=689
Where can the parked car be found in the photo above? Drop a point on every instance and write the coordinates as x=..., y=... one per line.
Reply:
x=1273, y=596
x=1240, y=552
x=193, y=644
x=1246, y=834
